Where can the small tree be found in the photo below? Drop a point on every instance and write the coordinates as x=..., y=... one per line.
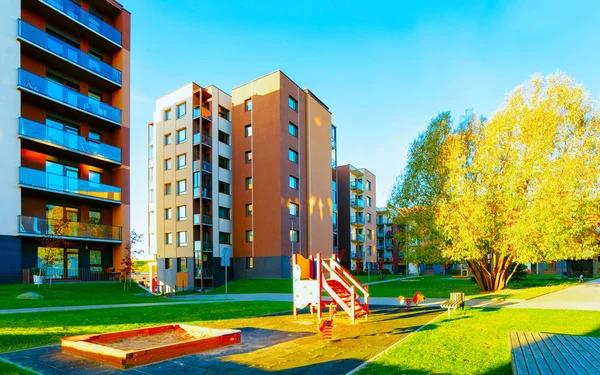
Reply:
x=130, y=257
x=53, y=244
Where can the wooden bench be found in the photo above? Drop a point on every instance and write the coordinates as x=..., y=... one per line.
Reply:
x=456, y=300
x=547, y=353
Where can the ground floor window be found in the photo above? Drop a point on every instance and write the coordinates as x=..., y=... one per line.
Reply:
x=95, y=260
x=181, y=264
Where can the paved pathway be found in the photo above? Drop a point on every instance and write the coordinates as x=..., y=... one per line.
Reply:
x=584, y=296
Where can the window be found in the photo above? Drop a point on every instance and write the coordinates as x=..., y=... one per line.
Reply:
x=369, y=231
x=368, y=185
x=168, y=213
x=368, y=201
x=151, y=196
x=248, y=236
x=249, y=209
x=181, y=163
x=94, y=136
x=224, y=213
x=95, y=260
x=181, y=110
x=167, y=114
x=95, y=177
x=293, y=103
x=248, y=157
x=168, y=189
x=168, y=238
x=150, y=151
x=168, y=139
x=181, y=213
x=95, y=95
x=224, y=163
x=248, y=105
x=181, y=135
x=181, y=264
x=224, y=188
x=225, y=238
x=250, y=262
x=294, y=235
x=224, y=113
x=167, y=164
x=248, y=130
x=181, y=238
x=293, y=129
x=168, y=263
x=294, y=209
x=293, y=182
x=248, y=183
x=95, y=217
x=151, y=174
x=293, y=156
x=181, y=187
x=223, y=137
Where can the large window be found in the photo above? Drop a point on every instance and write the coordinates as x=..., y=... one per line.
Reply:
x=181, y=110
x=168, y=238
x=182, y=238
x=181, y=213
x=248, y=157
x=293, y=129
x=294, y=209
x=181, y=264
x=224, y=163
x=368, y=185
x=95, y=217
x=95, y=260
x=293, y=103
x=248, y=130
x=249, y=236
x=224, y=213
x=293, y=182
x=224, y=113
x=293, y=156
x=225, y=238
x=224, y=188
x=181, y=161
x=181, y=135
x=368, y=201
x=294, y=235
x=181, y=187
x=224, y=137
x=368, y=217
x=248, y=105
x=249, y=209
x=248, y=183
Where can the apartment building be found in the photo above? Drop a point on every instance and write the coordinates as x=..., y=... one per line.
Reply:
x=356, y=216
x=284, y=176
x=64, y=136
x=391, y=242
x=189, y=182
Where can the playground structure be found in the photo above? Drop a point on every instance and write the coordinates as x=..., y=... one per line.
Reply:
x=418, y=297
x=314, y=275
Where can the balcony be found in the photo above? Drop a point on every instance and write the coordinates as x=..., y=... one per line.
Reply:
x=380, y=234
x=56, y=137
x=357, y=220
x=206, y=167
x=42, y=227
x=389, y=234
x=41, y=180
x=333, y=143
x=205, y=139
x=335, y=228
x=205, y=246
x=389, y=246
x=357, y=238
x=56, y=92
x=204, y=112
x=357, y=186
x=207, y=220
x=206, y=193
x=38, y=38
x=358, y=204
x=86, y=19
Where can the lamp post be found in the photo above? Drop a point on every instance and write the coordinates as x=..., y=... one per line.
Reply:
x=292, y=219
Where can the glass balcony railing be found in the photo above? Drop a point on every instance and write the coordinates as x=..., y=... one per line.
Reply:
x=357, y=185
x=41, y=226
x=48, y=134
x=206, y=167
x=355, y=237
x=62, y=49
x=357, y=220
x=196, y=219
x=206, y=219
x=58, y=92
x=63, y=184
x=359, y=203
x=204, y=138
x=201, y=111
x=84, y=17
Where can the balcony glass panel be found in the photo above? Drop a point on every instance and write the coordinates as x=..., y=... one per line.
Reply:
x=32, y=129
x=357, y=220
x=86, y=18
x=57, y=46
x=357, y=203
x=41, y=226
x=67, y=96
x=207, y=219
x=357, y=185
x=64, y=184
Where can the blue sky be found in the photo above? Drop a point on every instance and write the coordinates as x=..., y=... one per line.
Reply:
x=384, y=70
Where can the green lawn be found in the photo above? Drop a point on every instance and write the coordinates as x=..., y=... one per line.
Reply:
x=76, y=294
x=476, y=342
x=365, y=279
x=255, y=286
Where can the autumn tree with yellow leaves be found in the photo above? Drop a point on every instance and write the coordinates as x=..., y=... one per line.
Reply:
x=521, y=187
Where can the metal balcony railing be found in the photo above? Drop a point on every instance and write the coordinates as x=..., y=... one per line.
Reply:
x=54, y=45
x=62, y=184
x=47, y=134
x=87, y=19
x=43, y=227
x=56, y=91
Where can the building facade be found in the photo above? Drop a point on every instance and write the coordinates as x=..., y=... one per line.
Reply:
x=64, y=140
x=283, y=176
x=356, y=217
x=190, y=178
x=391, y=242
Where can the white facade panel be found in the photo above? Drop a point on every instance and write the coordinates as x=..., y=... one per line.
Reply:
x=225, y=175
x=225, y=150
x=225, y=226
x=224, y=200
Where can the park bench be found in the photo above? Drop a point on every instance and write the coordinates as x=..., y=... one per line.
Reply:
x=456, y=300
x=549, y=354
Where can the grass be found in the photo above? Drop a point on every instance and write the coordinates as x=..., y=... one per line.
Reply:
x=245, y=286
x=9, y=369
x=476, y=341
x=76, y=294
x=365, y=279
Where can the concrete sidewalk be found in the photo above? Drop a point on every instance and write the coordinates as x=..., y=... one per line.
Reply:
x=585, y=296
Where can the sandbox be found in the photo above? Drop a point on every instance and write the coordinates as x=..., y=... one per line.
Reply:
x=147, y=345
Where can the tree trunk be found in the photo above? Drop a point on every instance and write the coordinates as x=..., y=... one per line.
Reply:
x=497, y=278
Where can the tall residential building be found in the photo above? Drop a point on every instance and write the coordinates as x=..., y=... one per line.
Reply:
x=64, y=136
x=189, y=173
x=356, y=217
x=283, y=180
x=391, y=242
